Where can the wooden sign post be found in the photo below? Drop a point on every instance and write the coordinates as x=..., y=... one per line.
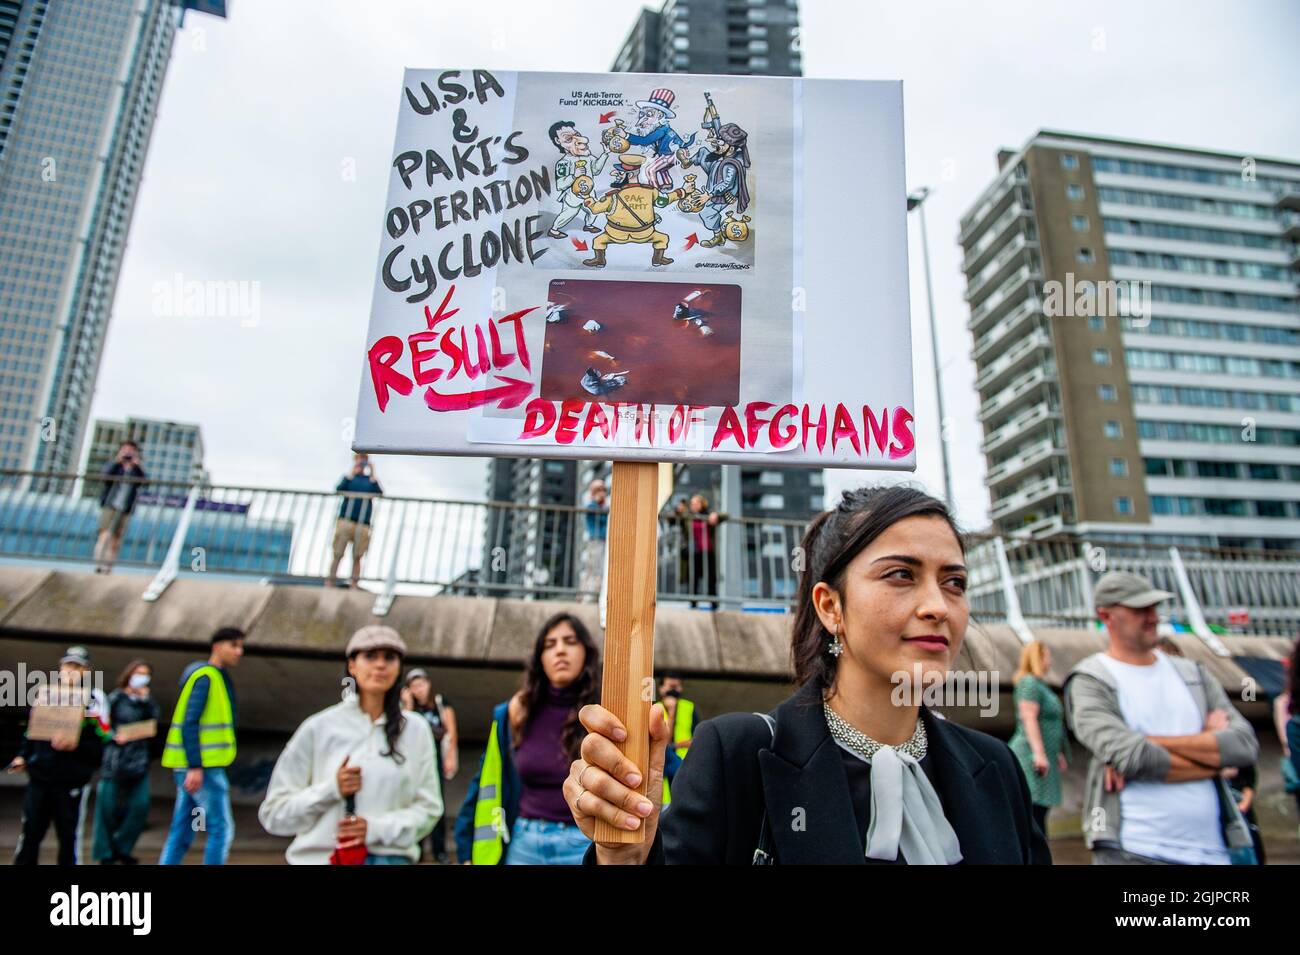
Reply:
x=628, y=688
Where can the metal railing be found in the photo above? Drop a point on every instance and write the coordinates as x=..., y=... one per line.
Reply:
x=1252, y=590
x=416, y=545
x=503, y=549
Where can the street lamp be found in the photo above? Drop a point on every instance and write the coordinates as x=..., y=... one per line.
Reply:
x=917, y=201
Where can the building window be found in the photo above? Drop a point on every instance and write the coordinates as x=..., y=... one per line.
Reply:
x=772, y=502
x=1097, y=322
x=681, y=43
x=1107, y=393
x=1079, y=223
x=1085, y=256
x=1270, y=508
x=1123, y=505
x=1119, y=467
x=1114, y=429
x=771, y=478
x=1101, y=356
x=1074, y=192
x=1069, y=161
x=815, y=501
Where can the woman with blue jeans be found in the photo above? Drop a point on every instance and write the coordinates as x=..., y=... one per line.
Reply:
x=538, y=736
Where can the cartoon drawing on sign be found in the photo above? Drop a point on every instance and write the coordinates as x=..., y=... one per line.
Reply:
x=575, y=173
x=653, y=130
x=630, y=212
x=725, y=159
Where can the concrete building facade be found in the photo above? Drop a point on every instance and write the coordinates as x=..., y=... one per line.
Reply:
x=1136, y=327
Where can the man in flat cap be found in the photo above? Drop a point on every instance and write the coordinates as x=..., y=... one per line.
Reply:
x=1161, y=730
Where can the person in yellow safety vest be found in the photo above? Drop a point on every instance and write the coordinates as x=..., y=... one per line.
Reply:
x=515, y=812
x=683, y=718
x=200, y=745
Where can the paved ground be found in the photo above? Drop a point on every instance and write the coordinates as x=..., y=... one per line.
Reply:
x=254, y=847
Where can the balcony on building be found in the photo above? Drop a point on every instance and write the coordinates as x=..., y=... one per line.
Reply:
x=996, y=235
x=1035, y=418
x=1027, y=498
x=1013, y=323
x=1022, y=284
x=1029, y=350
x=995, y=202
x=1021, y=250
x=1026, y=459
x=1022, y=391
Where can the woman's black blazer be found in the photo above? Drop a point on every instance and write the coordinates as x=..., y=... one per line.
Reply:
x=735, y=769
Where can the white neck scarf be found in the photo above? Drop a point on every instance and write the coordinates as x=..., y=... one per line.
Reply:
x=906, y=814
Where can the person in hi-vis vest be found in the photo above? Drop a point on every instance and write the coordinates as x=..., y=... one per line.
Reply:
x=200, y=745
x=683, y=718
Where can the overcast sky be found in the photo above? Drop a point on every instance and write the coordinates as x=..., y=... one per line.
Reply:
x=264, y=116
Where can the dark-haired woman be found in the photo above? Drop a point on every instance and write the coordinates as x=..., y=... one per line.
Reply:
x=534, y=739
x=122, y=800
x=853, y=769
x=363, y=754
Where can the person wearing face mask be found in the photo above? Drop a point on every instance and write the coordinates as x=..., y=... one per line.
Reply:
x=682, y=717
x=872, y=775
x=515, y=811
x=122, y=800
x=358, y=778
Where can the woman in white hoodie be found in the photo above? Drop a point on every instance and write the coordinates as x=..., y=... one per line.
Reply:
x=363, y=750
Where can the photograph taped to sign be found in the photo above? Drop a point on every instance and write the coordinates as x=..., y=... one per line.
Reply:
x=643, y=267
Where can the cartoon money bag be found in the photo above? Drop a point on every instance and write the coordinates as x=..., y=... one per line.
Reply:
x=694, y=199
x=615, y=138
x=735, y=229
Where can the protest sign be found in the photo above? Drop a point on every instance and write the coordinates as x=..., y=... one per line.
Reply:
x=128, y=732
x=643, y=268
x=52, y=721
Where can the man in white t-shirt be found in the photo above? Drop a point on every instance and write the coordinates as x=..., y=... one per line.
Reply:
x=1160, y=730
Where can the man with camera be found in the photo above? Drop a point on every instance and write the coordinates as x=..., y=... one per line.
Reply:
x=123, y=478
x=355, y=511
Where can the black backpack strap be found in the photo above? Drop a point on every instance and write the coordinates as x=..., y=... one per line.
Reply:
x=763, y=851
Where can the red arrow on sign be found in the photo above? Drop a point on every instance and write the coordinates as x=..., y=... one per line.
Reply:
x=604, y=117
x=579, y=245
x=508, y=395
x=691, y=240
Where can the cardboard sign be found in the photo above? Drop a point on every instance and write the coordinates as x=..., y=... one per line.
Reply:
x=49, y=721
x=643, y=267
x=144, y=729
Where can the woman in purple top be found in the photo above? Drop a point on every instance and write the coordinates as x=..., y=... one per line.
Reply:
x=562, y=676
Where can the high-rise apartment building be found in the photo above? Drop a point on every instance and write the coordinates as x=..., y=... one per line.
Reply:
x=79, y=88
x=758, y=37
x=1136, y=327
